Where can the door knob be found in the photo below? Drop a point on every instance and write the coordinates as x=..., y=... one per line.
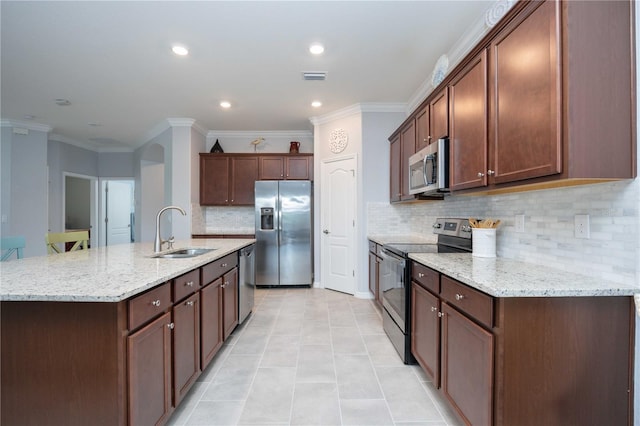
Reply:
x=326, y=231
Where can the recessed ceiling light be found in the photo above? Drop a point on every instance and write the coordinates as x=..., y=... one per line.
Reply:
x=316, y=104
x=180, y=50
x=62, y=102
x=225, y=104
x=316, y=48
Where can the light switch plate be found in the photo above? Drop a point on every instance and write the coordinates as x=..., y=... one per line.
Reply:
x=519, y=223
x=581, y=226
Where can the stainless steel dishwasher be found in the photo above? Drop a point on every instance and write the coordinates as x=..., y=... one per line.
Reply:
x=246, y=281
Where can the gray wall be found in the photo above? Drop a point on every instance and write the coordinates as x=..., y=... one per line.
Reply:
x=24, y=187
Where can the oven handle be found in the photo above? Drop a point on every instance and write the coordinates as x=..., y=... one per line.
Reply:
x=385, y=255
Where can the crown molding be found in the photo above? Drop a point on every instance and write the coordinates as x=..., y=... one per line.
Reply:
x=88, y=145
x=36, y=127
x=359, y=109
x=471, y=36
x=168, y=123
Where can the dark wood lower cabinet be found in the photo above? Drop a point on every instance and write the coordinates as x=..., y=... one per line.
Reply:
x=149, y=359
x=526, y=361
x=186, y=346
x=110, y=364
x=467, y=367
x=230, y=301
x=425, y=335
x=211, y=321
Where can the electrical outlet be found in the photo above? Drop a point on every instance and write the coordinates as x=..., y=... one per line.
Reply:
x=519, y=223
x=581, y=226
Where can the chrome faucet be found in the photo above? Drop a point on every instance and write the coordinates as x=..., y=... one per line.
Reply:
x=158, y=242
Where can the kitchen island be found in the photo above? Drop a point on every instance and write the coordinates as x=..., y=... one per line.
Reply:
x=509, y=342
x=111, y=335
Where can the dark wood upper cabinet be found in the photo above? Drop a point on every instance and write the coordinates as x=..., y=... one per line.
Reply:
x=525, y=106
x=295, y=167
x=468, y=125
x=229, y=179
x=395, y=190
x=545, y=99
x=244, y=173
x=439, y=115
x=407, y=149
x=214, y=180
x=423, y=136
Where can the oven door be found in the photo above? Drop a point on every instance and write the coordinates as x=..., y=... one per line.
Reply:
x=393, y=287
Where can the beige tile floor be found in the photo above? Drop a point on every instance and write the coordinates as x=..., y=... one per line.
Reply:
x=311, y=357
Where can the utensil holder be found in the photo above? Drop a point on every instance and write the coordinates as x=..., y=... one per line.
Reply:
x=484, y=242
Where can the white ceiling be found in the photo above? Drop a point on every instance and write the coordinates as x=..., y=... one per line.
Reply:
x=113, y=61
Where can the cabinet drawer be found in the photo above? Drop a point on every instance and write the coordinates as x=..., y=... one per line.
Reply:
x=219, y=267
x=426, y=277
x=475, y=303
x=148, y=305
x=372, y=247
x=186, y=284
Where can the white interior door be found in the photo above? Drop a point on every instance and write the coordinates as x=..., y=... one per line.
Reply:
x=337, y=224
x=119, y=202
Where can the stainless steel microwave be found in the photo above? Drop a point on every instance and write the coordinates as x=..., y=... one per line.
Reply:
x=429, y=169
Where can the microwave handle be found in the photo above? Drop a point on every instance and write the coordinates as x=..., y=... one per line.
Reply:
x=424, y=170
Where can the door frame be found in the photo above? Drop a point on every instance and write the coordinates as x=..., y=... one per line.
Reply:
x=94, y=208
x=354, y=248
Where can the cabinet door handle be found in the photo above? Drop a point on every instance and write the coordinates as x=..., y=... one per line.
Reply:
x=189, y=283
x=171, y=326
x=459, y=296
x=420, y=275
x=491, y=172
x=189, y=303
x=156, y=302
x=441, y=314
x=224, y=265
x=433, y=309
x=480, y=174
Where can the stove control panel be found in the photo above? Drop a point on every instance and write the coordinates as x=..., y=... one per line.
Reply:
x=454, y=227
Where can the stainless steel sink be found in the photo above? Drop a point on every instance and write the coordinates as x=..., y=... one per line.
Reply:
x=183, y=253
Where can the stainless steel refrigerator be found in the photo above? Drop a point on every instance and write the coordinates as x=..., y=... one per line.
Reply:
x=284, y=230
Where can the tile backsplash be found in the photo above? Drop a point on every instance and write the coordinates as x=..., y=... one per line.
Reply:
x=223, y=220
x=612, y=252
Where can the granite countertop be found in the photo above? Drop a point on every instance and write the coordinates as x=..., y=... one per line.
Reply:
x=502, y=277
x=103, y=274
x=404, y=239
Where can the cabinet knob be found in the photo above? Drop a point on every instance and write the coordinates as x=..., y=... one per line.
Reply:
x=420, y=275
x=224, y=265
x=433, y=309
x=189, y=283
x=189, y=303
x=459, y=296
x=480, y=174
x=156, y=302
x=171, y=326
x=224, y=285
x=491, y=172
x=440, y=314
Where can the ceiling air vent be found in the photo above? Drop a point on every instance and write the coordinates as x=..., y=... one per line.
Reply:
x=314, y=75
